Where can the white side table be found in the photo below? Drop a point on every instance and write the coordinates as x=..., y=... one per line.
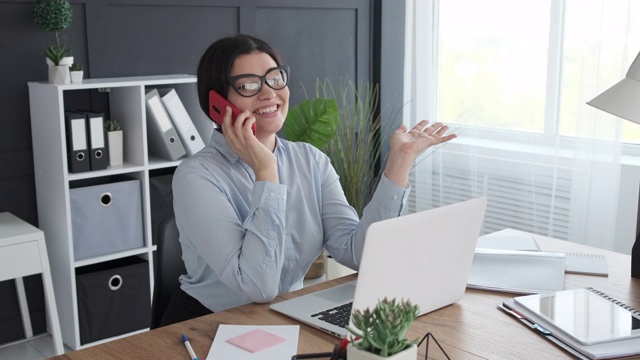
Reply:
x=23, y=252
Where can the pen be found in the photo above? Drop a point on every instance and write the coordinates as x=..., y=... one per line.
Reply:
x=189, y=348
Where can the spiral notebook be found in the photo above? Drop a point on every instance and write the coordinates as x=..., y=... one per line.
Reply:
x=588, y=264
x=588, y=323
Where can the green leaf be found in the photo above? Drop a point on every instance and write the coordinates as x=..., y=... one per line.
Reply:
x=313, y=121
x=56, y=53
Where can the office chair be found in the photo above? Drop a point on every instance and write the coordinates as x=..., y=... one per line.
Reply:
x=168, y=267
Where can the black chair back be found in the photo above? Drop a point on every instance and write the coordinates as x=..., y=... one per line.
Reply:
x=168, y=268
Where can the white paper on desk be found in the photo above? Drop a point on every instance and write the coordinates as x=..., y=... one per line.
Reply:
x=523, y=272
x=508, y=242
x=221, y=349
x=577, y=263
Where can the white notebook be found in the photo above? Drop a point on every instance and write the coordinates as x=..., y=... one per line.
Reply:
x=520, y=272
x=588, y=264
x=576, y=263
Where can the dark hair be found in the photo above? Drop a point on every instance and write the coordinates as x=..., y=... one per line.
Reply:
x=216, y=63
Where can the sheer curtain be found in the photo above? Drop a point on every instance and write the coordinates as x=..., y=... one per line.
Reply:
x=512, y=79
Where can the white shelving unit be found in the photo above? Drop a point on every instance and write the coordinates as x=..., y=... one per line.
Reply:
x=126, y=99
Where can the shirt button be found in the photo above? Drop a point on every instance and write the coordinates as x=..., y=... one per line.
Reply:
x=272, y=194
x=395, y=197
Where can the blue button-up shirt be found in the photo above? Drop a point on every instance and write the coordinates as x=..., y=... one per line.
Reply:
x=246, y=241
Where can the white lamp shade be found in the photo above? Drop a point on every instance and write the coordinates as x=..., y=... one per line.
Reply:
x=623, y=98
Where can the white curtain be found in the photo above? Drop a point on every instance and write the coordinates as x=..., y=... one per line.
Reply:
x=512, y=79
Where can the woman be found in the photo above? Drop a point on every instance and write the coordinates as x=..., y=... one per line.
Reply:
x=254, y=212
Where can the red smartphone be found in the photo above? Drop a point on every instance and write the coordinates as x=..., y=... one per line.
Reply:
x=217, y=108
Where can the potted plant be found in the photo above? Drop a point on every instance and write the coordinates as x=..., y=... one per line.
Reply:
x=114, y=141
x=354, y=149
x=381, y=333
x=55, y=16
x=76, y=71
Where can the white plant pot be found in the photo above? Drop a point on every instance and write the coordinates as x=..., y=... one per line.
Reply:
x=115, y=147
x=76, y=76
x=59, y=74
x=354, y=353
x=68, y=60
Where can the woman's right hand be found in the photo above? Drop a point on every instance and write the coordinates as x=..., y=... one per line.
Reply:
x=246, y=145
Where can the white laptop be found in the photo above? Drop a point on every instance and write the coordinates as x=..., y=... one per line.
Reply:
x=424, y=257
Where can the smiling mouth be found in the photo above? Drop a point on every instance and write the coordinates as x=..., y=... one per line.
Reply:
x=266, y=110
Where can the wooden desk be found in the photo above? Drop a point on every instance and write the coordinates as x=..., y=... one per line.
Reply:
x=472, y=328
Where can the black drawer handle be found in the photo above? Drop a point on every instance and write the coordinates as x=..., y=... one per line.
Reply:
x=106, y=199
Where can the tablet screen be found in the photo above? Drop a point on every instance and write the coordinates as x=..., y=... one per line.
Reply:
x=585, y=316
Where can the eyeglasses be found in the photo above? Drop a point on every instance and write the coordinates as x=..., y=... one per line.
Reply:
x=248, y=85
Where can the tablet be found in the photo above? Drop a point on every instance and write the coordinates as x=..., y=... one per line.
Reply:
x=586, y=315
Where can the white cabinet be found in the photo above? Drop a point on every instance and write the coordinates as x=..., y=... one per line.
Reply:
x=123, y=99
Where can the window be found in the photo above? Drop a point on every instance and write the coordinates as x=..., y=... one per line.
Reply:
x=492, y=67
x=513, y=78
x=531, y=65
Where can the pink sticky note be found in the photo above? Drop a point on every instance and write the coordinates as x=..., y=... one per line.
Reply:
x=256, y=340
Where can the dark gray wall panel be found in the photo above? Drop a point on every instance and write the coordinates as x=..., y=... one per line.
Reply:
x=319, y=40
x=316, y=43
x=156, y=39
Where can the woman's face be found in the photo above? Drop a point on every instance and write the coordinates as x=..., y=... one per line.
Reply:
x=269, y=106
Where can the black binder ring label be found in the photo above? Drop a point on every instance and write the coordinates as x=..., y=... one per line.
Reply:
x=80, y=156
x=98, y=154
x=115, y=282
x=106, y=199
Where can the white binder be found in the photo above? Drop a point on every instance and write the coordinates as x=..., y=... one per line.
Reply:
x=182, y=121
x=163, y=138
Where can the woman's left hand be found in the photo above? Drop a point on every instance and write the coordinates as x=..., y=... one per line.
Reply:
x=405, y=146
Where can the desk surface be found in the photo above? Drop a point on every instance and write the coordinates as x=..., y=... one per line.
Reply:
x=472, y=328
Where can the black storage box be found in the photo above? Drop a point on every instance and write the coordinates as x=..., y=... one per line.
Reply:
x=113, y=298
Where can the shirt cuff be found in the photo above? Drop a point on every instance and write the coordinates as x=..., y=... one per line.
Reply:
x=390, y=196
x=267, y=194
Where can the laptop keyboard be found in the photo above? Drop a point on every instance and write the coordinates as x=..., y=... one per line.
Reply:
x=338, y=316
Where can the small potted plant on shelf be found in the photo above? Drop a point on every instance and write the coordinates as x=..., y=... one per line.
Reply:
x=77, y=72
x=381, y=333
x=55, y=16
x=114, y=141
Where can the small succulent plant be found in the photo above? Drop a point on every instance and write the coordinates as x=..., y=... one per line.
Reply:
x=382, y=331
x=112, y=125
